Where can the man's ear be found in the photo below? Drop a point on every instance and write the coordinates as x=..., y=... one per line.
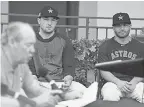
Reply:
x=57, y=20
x=130, y=26
x=12, y=42
x=113, y=28
x=38, y=20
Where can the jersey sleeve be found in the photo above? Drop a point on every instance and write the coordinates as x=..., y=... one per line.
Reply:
x=102, y=53
x=68, y=58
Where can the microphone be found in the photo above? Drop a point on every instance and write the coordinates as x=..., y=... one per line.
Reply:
x=68, y=81
x=43, y=73
x=5, y=90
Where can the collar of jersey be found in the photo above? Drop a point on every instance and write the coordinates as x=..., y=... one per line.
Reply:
x=122, y=44
x=46, y=40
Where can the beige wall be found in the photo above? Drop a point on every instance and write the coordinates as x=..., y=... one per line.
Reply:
x=87, y=8
x=100, y=9
x=4, y=9
x=108, y=9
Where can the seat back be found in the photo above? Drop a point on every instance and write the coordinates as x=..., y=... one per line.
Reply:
x=101, y=82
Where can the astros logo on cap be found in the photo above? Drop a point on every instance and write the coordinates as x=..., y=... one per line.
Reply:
x=50, y=10
x=120, y=17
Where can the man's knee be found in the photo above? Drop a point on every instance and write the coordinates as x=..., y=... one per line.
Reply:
x=139, y=87
x=138, y=92
x=110, y=92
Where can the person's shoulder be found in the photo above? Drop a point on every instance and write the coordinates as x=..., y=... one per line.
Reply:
x=63, y=36
x=106, y=43
x=137, y=42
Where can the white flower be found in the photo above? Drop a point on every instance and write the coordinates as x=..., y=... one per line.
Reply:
x=93, y=49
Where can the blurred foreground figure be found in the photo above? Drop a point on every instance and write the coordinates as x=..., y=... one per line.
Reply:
x=121, y=47
x=9, y=102
x=17, y=48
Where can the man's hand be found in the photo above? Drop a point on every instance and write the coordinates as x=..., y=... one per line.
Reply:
x=131, y=86
x=122, y=85
x=48, y=99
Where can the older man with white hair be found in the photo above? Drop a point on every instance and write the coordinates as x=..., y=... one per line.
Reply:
x=17, y=48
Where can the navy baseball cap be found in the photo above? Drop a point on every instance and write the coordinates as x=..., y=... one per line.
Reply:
x=121, y=18
x=48, y=11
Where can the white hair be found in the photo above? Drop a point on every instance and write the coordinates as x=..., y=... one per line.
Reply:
x=14, y=32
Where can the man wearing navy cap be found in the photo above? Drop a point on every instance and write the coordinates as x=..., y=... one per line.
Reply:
x=54, y=51
x=121, y=47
